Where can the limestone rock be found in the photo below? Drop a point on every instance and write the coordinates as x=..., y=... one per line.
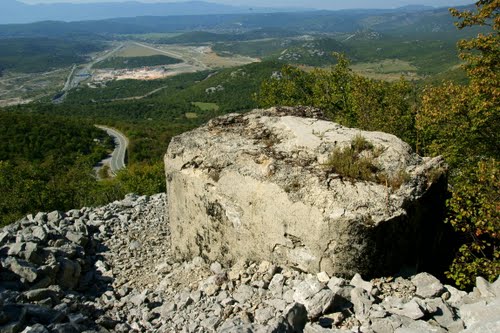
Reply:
x=257, y=186
x=427, y=285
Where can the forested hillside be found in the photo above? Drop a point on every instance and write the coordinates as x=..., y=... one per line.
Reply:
x=43, y=54
x=45, y=162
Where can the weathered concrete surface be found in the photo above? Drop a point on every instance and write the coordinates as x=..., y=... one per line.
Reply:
x=255, y=186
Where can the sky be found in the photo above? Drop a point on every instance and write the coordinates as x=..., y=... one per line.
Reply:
x=319, y=4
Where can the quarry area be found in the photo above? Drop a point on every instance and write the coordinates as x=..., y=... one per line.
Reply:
x=259, y=231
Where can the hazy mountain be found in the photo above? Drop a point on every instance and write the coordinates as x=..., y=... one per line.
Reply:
x=13, y=11
x=402, y=21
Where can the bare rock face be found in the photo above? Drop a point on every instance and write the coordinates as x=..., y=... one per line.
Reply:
x=260, y=186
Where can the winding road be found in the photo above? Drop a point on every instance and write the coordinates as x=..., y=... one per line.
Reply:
x=117, y=161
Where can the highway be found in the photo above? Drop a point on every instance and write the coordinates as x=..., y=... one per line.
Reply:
x=117, y=161
x=81, y=73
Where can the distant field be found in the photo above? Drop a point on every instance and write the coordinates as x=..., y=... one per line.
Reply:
x=204, y=57
x=134, y=50
x=206, y=106
x=387, y=69
x=136, y=62
x=18, y=88
x=191, y=115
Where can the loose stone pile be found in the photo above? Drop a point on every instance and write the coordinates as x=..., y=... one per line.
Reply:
x=110, y=269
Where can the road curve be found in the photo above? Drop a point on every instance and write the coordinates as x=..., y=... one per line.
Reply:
x=121, y=143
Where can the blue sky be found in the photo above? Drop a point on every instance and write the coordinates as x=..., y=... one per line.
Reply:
x=323, y=4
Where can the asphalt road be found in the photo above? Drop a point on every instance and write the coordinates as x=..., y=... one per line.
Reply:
x=121, y=143
x=79, y=74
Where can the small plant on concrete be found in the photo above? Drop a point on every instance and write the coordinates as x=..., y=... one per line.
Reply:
x=357, y=162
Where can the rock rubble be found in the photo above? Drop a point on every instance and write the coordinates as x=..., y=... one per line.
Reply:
x=110, y=269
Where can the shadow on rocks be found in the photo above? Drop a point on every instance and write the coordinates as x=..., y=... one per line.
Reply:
x=51, y=273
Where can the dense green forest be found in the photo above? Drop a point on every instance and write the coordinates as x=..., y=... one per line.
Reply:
x=136, y=62
x=30, y=55
x=45, y=162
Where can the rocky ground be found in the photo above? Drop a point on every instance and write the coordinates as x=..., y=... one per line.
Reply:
x=109, y=269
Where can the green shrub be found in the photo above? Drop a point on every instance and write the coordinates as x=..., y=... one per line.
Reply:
x=474, y=212
x=358, y=162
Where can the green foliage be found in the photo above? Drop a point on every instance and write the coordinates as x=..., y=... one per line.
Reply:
x=143, y=178
x=358, y=162
x=347, y=98
x=43, y=54
x=353, y=164
x=462, y=123
x=206, y=106
x=46, y=163
x=474, y=212
x=136, y=62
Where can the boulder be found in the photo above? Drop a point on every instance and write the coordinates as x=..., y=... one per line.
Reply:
x=260, y=186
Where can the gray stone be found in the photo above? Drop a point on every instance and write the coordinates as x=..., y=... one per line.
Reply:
x=69, y=273
x=336, y=283
x=134, y=245
x=41, y=218
x=211, y=323
x=24, y=269
x=31, y=253
x=139, y=299
x=427, y=285
x=39, y=232
x=357, y=281
x=243, y=294
x=40, y=294
x=456, y=296
x=277, y=303
x=216, y=268
x=263, y=315
x=410, y=309
x=54, y=216
x=443, y=315
x=481, y=313
x=106, y=322
x=484, y=327
x=485, y=288
x=37, y=328
x=323, y=277
x=276, y=285
x=43, y=314
x=320, y=303
x=77, y=238
x=296, y=317
x=4, y=237
x=386, y=325
x=361, y=302
x=16, y=248
x=266, y=152
x=420, y=326
x=307, y=289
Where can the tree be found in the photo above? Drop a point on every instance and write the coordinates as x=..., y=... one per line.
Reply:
x=347, y=98
x=462, y=123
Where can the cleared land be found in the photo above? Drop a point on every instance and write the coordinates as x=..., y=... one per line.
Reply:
x=19, y=88
x=195, y=58
x=387, y=69
x=206, y=106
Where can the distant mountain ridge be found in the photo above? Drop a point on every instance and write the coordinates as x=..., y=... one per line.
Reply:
x=13, y=11
x=402, y=22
